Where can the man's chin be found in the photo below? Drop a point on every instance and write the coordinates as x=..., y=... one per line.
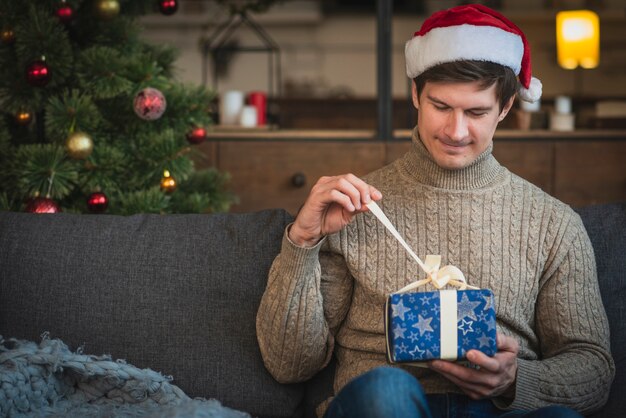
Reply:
x=452, y=162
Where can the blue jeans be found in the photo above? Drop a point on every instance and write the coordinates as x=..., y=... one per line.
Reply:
x=394, y=393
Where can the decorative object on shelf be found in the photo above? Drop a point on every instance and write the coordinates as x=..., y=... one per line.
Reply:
x=231, y=104
x=219, y=44
x=168, y=7
x=107, y=9
x=149, y=104
x=530, y=116
x=248, y=117
x=23, y=117
x=562, y=118
x=97, y=202
x=38, y=73
x=196, y=135
x=7, y=36
x=64, y=12
x=42, y=205
x=258, y=99
x=79, y=145
x=578, y=39
x=168, y=183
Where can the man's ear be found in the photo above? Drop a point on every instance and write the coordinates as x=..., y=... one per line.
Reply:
x=416, y=101
x=506, y=108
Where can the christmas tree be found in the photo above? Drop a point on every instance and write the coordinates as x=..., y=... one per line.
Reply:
x=92, y=118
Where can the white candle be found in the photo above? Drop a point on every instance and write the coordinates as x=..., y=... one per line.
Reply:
x=248, y=116
x=563, y=105
x=231, y=105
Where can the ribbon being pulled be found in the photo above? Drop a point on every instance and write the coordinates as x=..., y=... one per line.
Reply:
x=442, y=324
x=438, y=277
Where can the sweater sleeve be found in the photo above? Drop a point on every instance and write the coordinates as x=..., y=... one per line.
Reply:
x=575, y=368
x=306, y=299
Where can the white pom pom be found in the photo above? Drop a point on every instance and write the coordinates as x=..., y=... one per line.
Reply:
x=533, y=92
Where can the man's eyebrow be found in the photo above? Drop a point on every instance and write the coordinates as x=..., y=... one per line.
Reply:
x=472, y=109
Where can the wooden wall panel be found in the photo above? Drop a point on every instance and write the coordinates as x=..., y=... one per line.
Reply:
x=531, y=160
x=590, y=172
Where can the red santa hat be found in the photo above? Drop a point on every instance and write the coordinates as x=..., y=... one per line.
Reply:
x=472, y=32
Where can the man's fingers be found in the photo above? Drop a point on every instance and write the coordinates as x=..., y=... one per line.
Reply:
x=357, y=191
x=484, y=361
x=506, y=343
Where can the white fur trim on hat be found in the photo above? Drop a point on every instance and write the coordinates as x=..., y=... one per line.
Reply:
x=463, y=42
x=533, y=92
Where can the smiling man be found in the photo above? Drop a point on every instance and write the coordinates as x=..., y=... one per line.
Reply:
x=449, y=196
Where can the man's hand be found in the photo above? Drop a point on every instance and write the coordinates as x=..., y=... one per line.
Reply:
x=331, y=205
x=494, y=376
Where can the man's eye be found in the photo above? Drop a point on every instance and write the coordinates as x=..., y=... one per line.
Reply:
x=441, y=107
x=477, y=114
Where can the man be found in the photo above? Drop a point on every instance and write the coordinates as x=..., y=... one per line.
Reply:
x=447, y=196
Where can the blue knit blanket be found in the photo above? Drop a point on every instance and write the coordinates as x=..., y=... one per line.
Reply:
x=49, y=380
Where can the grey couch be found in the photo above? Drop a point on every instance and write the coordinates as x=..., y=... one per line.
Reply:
x=179, y=294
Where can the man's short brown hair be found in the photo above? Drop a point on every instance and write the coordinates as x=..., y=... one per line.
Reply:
x=487, y=73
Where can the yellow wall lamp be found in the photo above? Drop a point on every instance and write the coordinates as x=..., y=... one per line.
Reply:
x=578, y=39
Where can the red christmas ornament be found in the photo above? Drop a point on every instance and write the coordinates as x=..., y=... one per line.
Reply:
x=38, y=73
x=42, y=205
x=64, y=12
x=149, y=104
x=196, y=135
x=168, y=7
x=97, y=202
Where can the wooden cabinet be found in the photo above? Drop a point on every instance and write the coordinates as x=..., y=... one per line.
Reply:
x=278, y=169
x=273, y=174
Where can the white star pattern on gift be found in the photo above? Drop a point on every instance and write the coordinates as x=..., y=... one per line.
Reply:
x=399, y=331
x=488, y=301
x=484, y=340
x=466, y=308
x=466, y=326
x=399, y=309
x=417, y=352
x=423, y=324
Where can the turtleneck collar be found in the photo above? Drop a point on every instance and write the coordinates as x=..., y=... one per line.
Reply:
x=420, y=165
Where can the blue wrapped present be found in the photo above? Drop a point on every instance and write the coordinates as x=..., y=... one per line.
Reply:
x=443, y=324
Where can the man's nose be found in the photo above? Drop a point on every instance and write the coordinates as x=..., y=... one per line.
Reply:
x=456, y=127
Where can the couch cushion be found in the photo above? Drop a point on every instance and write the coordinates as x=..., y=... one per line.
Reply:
x=606, y=226
x=176, y=293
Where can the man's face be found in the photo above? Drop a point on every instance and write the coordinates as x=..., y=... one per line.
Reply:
x=456, y=121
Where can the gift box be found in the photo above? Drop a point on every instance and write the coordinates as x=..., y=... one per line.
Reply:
x=442, y=324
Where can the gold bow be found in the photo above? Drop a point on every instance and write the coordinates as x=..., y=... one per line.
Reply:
x=439, y=277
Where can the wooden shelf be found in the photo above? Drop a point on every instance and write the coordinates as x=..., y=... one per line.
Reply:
x=276, y=168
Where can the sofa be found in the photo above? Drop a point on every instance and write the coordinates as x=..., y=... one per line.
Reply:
x=178, y=294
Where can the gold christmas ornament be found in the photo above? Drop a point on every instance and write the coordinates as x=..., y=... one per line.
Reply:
x=107, y=9
x=23, y=117
x=7, y=36
x=79, y=145
x=168, y=184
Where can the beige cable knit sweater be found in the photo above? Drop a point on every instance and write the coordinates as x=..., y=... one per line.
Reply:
x=504, y=233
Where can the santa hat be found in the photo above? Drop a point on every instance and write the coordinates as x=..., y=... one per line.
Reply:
x=472, y=32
